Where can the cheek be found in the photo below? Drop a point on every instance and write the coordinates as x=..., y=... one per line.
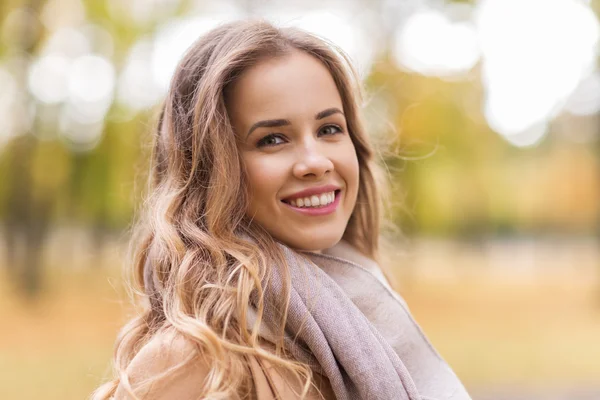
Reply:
x=349, y=168
x=264, y=180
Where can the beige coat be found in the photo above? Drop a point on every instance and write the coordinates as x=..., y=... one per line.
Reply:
x=166, y=351
x=433, y=377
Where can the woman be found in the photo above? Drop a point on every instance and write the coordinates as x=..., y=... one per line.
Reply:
x=256, y=259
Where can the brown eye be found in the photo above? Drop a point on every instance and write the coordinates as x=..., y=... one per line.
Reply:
x=330, y=130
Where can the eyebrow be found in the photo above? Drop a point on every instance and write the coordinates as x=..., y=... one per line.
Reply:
x=273, y=123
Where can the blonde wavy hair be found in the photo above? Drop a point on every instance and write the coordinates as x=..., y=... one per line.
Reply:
x=192, y=233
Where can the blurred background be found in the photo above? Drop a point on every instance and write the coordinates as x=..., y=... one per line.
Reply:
x=492, y=109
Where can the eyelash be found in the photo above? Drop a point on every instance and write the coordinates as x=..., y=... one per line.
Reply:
x=262, y=142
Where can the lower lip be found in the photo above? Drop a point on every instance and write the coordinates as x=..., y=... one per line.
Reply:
x=328, y=209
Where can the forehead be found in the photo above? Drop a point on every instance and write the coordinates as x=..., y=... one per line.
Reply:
x=292, y=86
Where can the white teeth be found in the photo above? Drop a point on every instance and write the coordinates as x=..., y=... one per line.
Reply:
x=314, y=201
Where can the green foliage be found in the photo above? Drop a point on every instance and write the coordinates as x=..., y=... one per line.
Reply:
x=451, y=174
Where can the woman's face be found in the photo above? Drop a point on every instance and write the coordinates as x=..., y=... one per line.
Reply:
x=300, y=161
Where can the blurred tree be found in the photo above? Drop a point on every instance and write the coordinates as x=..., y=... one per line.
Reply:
x=27, y=216
x=451, y=174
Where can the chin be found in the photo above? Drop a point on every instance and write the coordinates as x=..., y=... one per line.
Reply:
x=315, y=243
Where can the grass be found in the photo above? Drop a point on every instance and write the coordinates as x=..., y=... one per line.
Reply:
x=497, y=334
x=59, y=346
x=493, y=332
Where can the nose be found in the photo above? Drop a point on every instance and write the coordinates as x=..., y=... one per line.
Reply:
x=312, y=162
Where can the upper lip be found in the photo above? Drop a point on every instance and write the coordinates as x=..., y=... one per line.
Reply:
x=313, y=190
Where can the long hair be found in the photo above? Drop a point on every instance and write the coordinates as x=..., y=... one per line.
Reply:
x=194, y=268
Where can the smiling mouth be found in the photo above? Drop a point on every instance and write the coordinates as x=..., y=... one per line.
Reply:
x=313, y=201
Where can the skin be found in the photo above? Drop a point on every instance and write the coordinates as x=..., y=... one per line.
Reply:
x=308, y=152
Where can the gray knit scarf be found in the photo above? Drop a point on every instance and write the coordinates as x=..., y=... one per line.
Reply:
x=349, y=326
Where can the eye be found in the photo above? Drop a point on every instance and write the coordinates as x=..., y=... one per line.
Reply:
x=270, y=140
x=330, y=130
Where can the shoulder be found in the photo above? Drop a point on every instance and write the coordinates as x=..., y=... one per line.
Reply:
x=168, y=366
